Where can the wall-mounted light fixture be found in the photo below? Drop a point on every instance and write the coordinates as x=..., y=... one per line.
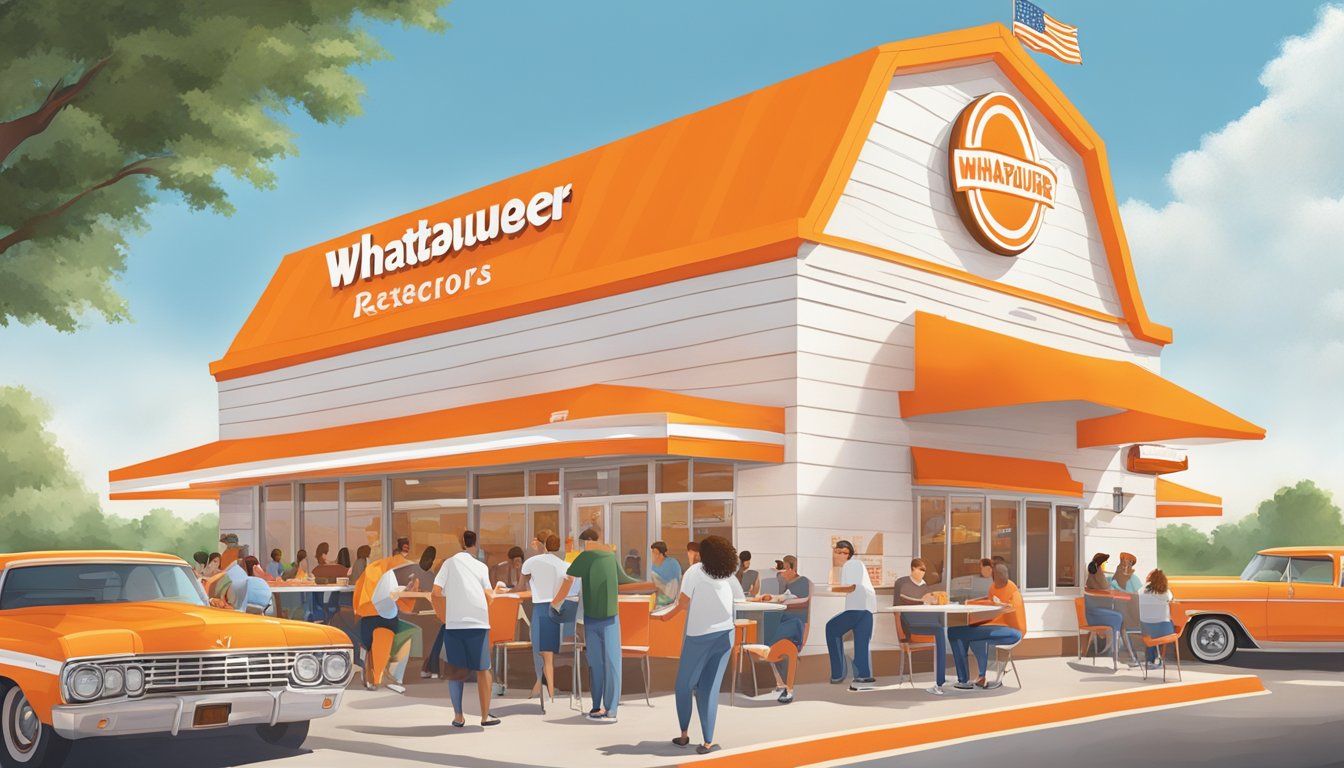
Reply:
x=1118, y=500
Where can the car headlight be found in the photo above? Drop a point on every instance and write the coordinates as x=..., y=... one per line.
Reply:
x=335, y=666
x=114, y=681
x=135, y=681
x=86, y=682
x=306, y=669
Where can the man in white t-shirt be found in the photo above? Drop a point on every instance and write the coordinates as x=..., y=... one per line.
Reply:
x=860, y=602
x=461, y=597
x=543, y=573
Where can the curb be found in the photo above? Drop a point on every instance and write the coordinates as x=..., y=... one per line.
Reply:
x=868, y=742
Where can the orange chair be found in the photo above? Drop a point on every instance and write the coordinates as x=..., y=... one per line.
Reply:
x=635, y=634
x=1173, y=640
x=504, y=636
x=1092, y=631
x=908, y=646
x=781, y=650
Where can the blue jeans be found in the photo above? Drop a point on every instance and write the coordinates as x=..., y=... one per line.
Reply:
x=861, y=624
x=603, y=638
x=915, y=624
x=979, y=638
x=703, y=659
x=1157, y=629
x=1109, y=617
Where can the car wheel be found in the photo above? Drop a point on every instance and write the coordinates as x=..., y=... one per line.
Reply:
x=287, y=735
x=1212, y=639
x=28, y=741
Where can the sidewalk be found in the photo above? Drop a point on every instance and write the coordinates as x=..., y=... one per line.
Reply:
x=825, y=722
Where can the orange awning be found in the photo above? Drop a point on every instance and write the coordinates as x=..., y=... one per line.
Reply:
x=1004, y=473
x=1175, y=500
x=596, y=420
x=960, y=368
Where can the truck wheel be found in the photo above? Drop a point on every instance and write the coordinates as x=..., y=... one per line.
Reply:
x=29, y=742
x=287, y=735
x=1211, y=639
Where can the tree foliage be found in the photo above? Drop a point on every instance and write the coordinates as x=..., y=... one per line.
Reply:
x=98, y=98
x=44, y=504
x=1302, y=514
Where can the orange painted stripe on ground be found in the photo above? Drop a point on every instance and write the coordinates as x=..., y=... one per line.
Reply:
x=857, y=744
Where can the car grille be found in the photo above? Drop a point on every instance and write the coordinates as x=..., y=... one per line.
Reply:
x=216, y=672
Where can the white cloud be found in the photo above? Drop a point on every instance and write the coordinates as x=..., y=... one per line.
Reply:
x=1247, y=264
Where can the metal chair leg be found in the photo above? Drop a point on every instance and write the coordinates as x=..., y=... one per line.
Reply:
x=647, y=700
x=755, y=684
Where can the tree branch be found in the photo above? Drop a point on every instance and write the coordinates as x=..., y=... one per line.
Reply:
x=28, y=229
x=20, y=129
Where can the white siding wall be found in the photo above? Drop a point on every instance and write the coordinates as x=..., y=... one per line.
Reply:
x=899, y=196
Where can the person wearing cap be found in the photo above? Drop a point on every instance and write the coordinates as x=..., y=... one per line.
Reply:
x=860, y=602
x=665, y=573
x=386, y=636
x=795, y=592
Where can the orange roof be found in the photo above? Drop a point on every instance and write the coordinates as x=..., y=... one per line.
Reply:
x=1174, y=500
x=591, y=421
x=740, y=183
x=88, y=555
x=951, y=361
x=1005, y=473
x=1304, y=551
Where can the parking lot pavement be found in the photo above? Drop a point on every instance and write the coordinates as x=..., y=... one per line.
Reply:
x=385, y=729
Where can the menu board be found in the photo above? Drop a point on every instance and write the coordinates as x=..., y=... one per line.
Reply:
x=868, y=549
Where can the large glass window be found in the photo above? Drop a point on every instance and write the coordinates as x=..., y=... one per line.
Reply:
x=320, y=519
x=634, y=547
x=431, y=511
x=967, y=534
x=545, y=521
x=674, y=476
x=711, y=476
x=502, y=527
x=675, y=529
x=277, y=516
x=712, y=518
x=507, y=485
x=634, y=479
x=364, y=517
x=1038, y=545
x=545, y=482
x=1067, y=546
x=1003, y=535
x=933, y=535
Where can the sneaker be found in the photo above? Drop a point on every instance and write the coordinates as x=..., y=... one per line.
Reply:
x=1156, y=664
x=396, y=687
x=936, y=690
x=991, y=685
x=369, y=686
x=608, y=719
x=786, y=697
x=596, y=715
x=837, y=681
x=424, y=675
x=862, y=684
x=963, y=686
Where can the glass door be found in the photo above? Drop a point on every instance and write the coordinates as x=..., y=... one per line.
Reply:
x=632, y=531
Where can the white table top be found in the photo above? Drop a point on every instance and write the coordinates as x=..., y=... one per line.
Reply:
x=949, y=608
x=284, y=588
x=743, y=605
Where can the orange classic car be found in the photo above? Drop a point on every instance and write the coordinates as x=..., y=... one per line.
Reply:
x=112, y=643
x=1287, y=599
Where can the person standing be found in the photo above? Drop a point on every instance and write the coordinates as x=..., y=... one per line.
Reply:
x=707, y=595
x=749, y=580
x=1005, y=629
x=692, y=553
x=510, y=571
x=461, y=597
x=860, y=602
x=666, y=573
x=543, y=573
x=601, y=578
x=386, y=636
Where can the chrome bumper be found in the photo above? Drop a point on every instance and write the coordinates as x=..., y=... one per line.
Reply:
x=174, y=714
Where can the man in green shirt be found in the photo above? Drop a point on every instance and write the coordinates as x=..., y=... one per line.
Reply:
x=601, y=579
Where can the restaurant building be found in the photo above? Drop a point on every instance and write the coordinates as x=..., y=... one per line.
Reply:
x=888, y=300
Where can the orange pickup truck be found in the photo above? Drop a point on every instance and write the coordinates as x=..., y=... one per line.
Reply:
x=111, y=643
x=1287, y=599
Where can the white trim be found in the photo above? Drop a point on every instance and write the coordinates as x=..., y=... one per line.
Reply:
x=31, y=662
x=582, y=430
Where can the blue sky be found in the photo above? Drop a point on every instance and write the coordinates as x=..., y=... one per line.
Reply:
x=515, y=85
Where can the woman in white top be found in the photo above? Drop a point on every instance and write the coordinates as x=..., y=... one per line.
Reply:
x=542, y=573
x=1155, y=610
x=707, y=596
x=860, y=602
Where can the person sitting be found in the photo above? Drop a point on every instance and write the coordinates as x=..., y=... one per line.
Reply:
x=1099, y=607
x=749, y=579
x=275, y=568
x=857, y=618
x=509, y=572
x=795, y=592
x=1005, y=629
x=246, y=591
x=201, y=557
x=212, y=566
x=1155, y=611
x=361, y=562
x=665, y=573
x=323, y=549
x=383, y=633
x=301, y=566
x=692, y=553
x=1124, y=579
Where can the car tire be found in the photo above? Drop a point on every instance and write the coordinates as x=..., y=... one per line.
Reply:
x=287, y=735
x=1211, y=639
x=28, y=742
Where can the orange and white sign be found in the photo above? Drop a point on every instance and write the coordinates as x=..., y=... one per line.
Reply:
x=1000, y=187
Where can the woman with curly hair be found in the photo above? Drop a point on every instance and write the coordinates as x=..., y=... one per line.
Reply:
x=1155, y=611
x=707, y=595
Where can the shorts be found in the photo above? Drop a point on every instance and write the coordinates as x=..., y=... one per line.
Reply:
x=467, y=648
x=546, y=623
x=369, y=623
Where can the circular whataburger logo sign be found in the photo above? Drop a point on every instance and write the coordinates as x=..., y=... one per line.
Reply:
x=1000, y=187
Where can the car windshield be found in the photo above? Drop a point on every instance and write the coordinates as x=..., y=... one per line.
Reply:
x=96, y=583
x=1265, y=568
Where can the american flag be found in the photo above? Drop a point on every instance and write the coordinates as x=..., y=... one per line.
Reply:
x=1040, y=31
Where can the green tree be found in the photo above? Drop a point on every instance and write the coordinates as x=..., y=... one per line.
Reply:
x=97, y=98
x=1302, y=514
x=44, y=504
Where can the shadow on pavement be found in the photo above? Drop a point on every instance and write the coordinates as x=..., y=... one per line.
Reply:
x=652, y=748
x=217, y=749
x=1252, y=661
x=389, y=752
